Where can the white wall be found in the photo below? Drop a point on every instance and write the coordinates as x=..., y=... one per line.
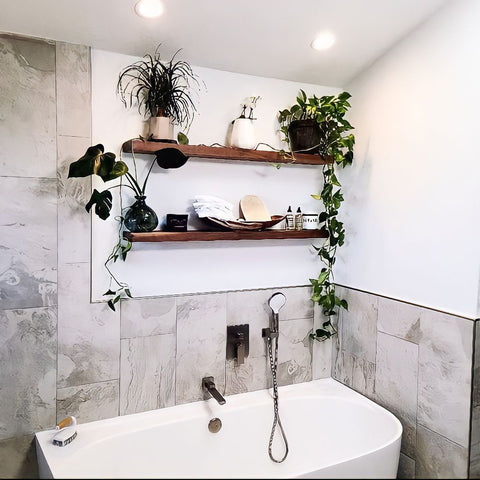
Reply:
x=163, y=268
x=412, y=196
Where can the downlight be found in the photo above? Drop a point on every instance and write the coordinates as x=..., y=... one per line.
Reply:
x=323, y=41
x=149, y=8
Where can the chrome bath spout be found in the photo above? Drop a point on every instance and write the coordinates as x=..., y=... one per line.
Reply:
x=208, y=385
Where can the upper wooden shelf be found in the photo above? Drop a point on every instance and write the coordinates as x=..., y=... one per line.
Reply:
x=225, y=153
x=203, y=236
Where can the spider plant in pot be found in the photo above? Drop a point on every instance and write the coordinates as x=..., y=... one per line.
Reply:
x=161, y=91
x=335, y=141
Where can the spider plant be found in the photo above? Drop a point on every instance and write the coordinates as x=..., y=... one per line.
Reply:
x=160, y=89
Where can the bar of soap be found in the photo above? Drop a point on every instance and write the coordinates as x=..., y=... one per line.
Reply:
x=253, y=209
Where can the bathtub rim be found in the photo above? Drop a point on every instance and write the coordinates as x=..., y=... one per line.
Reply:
x=116, y=426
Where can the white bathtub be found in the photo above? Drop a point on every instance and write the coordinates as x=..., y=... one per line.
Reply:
x=332, y=431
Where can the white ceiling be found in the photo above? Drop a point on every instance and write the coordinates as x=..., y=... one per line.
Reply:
x=268, y=38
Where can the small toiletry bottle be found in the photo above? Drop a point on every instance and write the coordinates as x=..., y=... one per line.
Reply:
x=289, y=219
x=298, y=219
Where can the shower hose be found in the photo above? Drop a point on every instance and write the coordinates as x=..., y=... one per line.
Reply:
x=273, y=354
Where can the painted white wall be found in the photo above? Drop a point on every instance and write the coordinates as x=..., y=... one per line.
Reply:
x=176, y=268
x=412, y=197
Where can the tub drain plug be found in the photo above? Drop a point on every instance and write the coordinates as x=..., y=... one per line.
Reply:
x=214, y=425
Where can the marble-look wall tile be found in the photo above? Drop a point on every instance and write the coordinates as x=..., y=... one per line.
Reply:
x=363, y=377
x=28, y=348
x=475, y=421
x=343, y=367
x=147, y=316
x=18, y=458
x=73, y=89
x=445, y=362
x=399, y=318
x=476, y=365
x=406, y=467
x=248, y=377
x=298, y=302
x=88, y=403
x=28, y=245
x=321, y=351
x=147, y=373
x=74, y=237
x=201, y=344
x=396, y=384
x=27, y=108
x=294, y=352
x=358, y=324
x=88, y=334
x=438, y=457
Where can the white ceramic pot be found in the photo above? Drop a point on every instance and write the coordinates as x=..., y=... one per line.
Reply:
x=243, y=134
x=161, y=128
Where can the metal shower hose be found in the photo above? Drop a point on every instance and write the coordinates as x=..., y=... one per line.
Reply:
x=276, y=415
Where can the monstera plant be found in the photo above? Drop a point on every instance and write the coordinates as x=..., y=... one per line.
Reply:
x=104, y=164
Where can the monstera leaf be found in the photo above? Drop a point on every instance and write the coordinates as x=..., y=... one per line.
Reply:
x=102, y=202
x=95, y=162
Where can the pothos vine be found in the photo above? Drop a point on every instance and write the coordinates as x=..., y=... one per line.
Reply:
x=336, y=142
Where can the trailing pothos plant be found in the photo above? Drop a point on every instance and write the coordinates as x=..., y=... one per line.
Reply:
x=336, y=142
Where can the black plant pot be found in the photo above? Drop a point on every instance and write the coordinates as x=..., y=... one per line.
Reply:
x=304, y=136
x=140, y=217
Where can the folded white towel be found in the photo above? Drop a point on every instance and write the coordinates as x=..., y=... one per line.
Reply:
x=212, y=206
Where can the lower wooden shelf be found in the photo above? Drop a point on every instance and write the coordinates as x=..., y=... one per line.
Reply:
x=208, y=236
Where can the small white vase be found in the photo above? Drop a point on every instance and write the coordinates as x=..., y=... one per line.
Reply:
x=161, y=128
x=243, y=134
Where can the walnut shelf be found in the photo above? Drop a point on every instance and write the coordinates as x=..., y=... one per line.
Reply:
x=225, y=153
x=203, y=236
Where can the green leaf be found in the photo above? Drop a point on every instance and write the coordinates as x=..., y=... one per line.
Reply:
x=316, y=196
x=182, y=138
x=102, y=202
x=323, y=276
x=109, y=292
x=322, y=217
x=95, y=162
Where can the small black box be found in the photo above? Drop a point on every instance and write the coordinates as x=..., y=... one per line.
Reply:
x=176, y=222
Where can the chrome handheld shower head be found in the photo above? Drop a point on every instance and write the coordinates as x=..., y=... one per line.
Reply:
x=276, y=302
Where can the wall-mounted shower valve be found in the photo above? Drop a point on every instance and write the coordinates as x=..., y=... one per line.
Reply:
x=237, y=343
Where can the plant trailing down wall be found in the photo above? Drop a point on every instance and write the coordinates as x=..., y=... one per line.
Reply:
x=328, y=112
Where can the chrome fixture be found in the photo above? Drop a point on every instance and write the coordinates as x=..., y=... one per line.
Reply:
x=237, y=343
x=214, y=425
x=208, y=386
x=276, y=302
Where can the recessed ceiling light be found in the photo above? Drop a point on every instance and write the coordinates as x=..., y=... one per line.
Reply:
x=149, y=8
x=323, y=41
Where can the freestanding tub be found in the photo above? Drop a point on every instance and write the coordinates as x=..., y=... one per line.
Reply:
x=332, y=432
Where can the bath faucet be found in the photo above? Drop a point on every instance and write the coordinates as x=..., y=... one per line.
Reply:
x=208, y=385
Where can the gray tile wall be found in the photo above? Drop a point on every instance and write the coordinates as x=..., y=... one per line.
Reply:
x=62, y=355
x=417, y=363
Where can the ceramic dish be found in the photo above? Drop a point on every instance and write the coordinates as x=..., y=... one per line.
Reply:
x=244, y=225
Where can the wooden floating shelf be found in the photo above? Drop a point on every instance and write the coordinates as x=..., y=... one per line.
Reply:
x=208, y=236
x=225, y=153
